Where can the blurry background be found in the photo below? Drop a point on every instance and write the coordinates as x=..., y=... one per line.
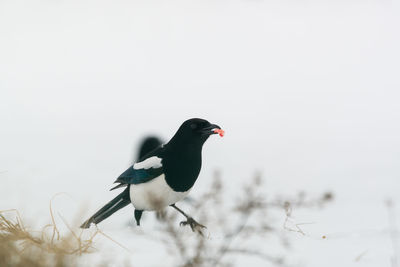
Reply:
x=307, y=92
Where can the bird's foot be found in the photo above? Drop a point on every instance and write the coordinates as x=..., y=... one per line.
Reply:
x=196, y=227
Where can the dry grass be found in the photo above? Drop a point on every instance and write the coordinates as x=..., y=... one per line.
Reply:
x=251, y=216
x=22, y=246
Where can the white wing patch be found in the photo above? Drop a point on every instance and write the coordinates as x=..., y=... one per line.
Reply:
x=152, y=162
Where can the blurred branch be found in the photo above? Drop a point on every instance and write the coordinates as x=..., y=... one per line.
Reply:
x=238, y=224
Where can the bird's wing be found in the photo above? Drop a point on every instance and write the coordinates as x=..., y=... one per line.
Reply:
x=141, y=172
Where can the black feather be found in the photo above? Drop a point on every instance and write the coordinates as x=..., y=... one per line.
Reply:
x=114, y=205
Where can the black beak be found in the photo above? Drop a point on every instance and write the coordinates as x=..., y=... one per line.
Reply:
x=209, y=130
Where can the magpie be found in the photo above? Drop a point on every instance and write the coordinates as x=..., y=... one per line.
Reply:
x=147, y=145
x=163, y=176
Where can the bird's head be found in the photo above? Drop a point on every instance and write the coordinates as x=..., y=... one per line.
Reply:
x=196, y=131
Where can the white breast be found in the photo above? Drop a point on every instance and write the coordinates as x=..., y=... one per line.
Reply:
x=154, y=195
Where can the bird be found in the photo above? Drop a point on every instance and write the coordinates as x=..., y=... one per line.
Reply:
x=163, y=176
x=148, y=144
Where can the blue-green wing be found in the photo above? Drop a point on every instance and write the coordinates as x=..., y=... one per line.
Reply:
x=138, y=176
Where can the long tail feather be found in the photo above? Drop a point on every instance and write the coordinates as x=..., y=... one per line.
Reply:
x=114, y=205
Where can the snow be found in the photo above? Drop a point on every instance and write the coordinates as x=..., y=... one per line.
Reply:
x=307, y=93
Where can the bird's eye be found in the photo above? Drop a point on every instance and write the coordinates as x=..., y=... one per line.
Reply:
x=193, y=126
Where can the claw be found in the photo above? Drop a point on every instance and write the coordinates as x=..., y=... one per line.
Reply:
x=195, y=226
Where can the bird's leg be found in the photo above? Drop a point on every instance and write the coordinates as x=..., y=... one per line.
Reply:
x=138, y=215
x=189, y=221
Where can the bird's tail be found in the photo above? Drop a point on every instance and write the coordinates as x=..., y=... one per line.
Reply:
x=117, y=203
